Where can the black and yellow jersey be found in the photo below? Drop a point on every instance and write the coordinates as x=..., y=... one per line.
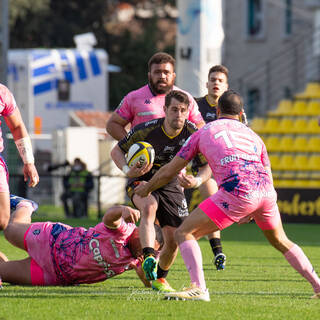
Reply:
x=165, y=146
x=208, y=111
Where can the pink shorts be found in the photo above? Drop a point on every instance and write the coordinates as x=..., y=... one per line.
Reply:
x=4, y=176
x=37, y=244
x=266, y=215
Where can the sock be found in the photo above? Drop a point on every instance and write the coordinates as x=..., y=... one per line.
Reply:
x=148, y=251
x=216, y=246
x=191, y=254
x=161, y=273
x=301, y=263
x=25, y=204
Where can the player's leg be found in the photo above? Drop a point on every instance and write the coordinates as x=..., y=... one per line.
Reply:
x=16, y=272
x=197, y=225
x=272, y=228
x=148, y=207
x=294, y=255
x=20, y=220
x=205, y=219
x=206, y=190
x=167, y=256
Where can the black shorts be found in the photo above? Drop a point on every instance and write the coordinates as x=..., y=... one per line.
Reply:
x=172, y=204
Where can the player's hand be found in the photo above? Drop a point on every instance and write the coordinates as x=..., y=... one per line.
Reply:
x=141, y=189
x=187, y=181
x=140, y=273
x=137, y=170
x=131, y=215
x=30, y=172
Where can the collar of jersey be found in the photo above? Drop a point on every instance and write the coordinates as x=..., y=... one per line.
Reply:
x=211, y=105
x=170, y=137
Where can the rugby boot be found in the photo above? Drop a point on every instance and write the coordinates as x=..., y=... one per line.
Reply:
x=162, y=285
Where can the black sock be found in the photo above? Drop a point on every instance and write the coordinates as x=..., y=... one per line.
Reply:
x=216, y=245
x=148, y=251
x=161, y=273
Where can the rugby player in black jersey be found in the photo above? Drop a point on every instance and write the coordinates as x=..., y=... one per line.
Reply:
x=167, y=204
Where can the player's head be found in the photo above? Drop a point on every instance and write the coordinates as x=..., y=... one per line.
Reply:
x=230, y=104
x=134, y=244
x=161, y=75
x=217, y=81
x=176, y=109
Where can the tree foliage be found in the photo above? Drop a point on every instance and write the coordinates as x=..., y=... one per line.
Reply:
x=54, y=23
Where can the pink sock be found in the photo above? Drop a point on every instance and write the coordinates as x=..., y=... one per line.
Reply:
x=301, y=263
x=191, y=254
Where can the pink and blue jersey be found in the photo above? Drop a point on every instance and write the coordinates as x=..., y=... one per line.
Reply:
x=142, y=105
x=7, y=106
x=237, y=157
x=70, y=256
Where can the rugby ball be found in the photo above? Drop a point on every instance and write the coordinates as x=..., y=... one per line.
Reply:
x=141, y=152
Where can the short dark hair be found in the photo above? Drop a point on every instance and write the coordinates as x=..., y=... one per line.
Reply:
x=219, y=68
x=230, y=103
x=178, y=95
x=161, y=57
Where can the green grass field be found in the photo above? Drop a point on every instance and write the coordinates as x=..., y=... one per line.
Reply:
x=258, y=283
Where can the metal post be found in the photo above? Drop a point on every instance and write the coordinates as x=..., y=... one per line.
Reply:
x=4, y=40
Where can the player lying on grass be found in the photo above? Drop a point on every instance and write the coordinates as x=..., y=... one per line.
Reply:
x=62, y=255
x=239, y=162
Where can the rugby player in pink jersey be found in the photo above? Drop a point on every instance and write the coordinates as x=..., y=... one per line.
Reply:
x=241, y=168
x=11, y=114
x=147, y=103
x=62, y=255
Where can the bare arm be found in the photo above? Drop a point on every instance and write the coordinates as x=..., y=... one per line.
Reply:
x=19, y=131
x=113, y=216
x=116, y=126
x=162, y=177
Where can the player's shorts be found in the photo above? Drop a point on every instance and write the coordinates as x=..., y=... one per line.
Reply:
x=4, y=176
x=264, y=211
x=172, y=204
x=37, y=242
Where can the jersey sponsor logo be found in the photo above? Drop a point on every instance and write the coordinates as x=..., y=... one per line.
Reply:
x=211, y=115
x=183, y=209
x=148, y=123
x=147, y=113
x=147, y=101
x=168, y=149
x=94, y=246
x=236, y=157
